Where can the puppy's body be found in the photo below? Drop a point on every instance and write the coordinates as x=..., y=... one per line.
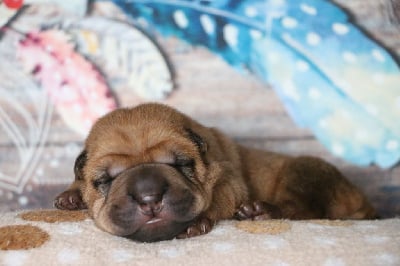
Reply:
x=151, y=173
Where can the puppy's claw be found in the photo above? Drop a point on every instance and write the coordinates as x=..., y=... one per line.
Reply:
x=69, y=200
x=200, y=227
x=257, y=210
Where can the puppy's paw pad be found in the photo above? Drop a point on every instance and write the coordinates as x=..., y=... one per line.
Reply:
x=257, y=210
x=69, y=200
x=200, y=227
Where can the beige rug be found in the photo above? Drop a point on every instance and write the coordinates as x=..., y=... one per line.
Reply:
x=50, y=237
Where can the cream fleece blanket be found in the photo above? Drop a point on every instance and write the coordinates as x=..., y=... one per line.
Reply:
x=52, y=237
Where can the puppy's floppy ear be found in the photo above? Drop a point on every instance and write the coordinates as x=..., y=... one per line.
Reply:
x=199, y=141
x=79, y=164
x=71, y=199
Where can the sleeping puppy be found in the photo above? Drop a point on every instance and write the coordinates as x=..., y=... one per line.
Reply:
x=151, y=173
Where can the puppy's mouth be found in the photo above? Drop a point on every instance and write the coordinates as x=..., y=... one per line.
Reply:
x=154, y=221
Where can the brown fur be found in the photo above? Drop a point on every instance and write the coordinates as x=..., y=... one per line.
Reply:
x=225, y=180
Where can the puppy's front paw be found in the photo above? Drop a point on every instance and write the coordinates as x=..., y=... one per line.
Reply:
x=258, y=210
x=200, y=227
x=69, y=200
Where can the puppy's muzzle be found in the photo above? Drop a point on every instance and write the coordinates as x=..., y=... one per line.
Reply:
x=148, y=188
x=149, y=202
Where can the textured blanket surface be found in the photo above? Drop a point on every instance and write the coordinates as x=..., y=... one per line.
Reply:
x=50, y=237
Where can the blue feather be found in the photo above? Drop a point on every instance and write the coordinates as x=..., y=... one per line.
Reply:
x=331, y=77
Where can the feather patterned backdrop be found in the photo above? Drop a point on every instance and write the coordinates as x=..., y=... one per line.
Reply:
x=332, y=78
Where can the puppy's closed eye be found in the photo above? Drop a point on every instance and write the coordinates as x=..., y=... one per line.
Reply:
x=185, y=165
x=103, y=184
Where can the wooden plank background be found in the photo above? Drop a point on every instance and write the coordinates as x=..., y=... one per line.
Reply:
x=216, y=95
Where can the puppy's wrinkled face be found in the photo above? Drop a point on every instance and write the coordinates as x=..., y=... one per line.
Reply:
x=145, y=178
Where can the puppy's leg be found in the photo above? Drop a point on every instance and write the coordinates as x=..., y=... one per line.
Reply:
x=258, y=210
x=71, y=199
x=200, y=227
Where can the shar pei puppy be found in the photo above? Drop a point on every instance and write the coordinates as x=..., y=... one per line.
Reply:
x=151, y=173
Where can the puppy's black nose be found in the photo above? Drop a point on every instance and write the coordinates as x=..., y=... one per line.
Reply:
x=147, y=188
x=151, y=205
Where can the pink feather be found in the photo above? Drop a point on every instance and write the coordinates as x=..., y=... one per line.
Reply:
x=77, y=89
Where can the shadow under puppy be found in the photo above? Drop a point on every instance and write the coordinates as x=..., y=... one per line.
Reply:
x=151, y=173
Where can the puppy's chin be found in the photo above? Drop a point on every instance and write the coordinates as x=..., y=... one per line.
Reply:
x=158, y=231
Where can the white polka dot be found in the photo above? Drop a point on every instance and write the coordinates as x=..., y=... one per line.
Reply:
x=274, y=242
x=313, y=38
x=371, y=109
x=361, y=135
x=39, y=171
x=14, y=258
x=23, y=201
x=392, y=145
x=71, y=149
x=219, y=231
x=310, y=10
x=67, y=93
x=314, y=93
x=77, y=108
x=349, y=57
x=386, y=259
x=378, y=78
x=333, y=261
x=302, y=66
x=170, y=252
x=69, y=229
x=231, y=35
x=338, y=149
x=323, y=123
x=57, y=76
x=376, y=239
x=378, y=55
x=54, y=163
x=121, y=255
x=290, y=90
x=289, y=22
x=325, y=241
x=208, y=24
x=180, y=19
x=340, y=29
x=367, y=228
x=279, y=263
x=315, y=226
x=68, y=256
x=273, y=57
x=223, y=246
x=256, y=34
x=276, y=3
x=251, y=12
x=49, y=48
